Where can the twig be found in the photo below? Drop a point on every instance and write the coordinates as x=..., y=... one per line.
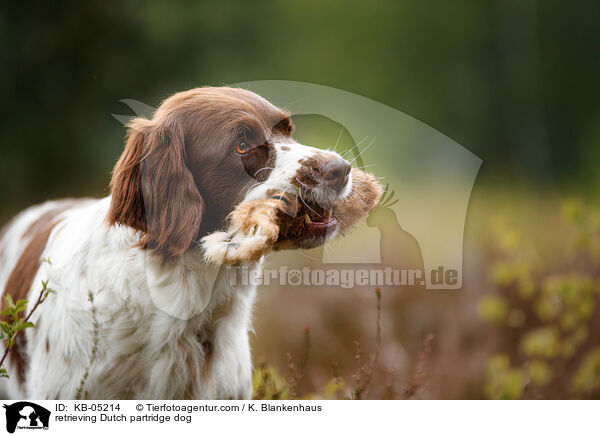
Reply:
x=41, y=298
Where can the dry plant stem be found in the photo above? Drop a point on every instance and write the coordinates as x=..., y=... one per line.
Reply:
x=78, y=396
x=42, y=297
x=415, y=384
x=305, y=350
x=293, y=377
x=296, y=373
x=365, y=373
x=357, y=390
x=378, y=334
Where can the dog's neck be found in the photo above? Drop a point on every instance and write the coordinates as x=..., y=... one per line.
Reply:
x=188, y=287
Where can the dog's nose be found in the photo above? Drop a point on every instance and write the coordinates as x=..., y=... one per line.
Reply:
x=335, y=172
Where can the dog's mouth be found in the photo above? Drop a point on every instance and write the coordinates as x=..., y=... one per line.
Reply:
x=311, y=225
x=306, y=224
x=317, y=223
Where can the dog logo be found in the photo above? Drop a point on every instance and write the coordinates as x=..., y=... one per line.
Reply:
x=26, y=415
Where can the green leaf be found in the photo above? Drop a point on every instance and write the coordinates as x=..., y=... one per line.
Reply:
x=21, y=305
x=23, y=326
x=9, y=301
x=5, y=328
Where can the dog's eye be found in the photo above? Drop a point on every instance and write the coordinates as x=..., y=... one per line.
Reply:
x=242, y=148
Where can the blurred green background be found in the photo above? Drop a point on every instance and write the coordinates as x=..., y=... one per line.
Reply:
x=514, y=81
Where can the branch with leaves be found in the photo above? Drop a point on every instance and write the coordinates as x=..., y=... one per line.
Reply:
x=10, y=330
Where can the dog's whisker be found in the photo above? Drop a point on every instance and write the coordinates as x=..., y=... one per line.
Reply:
x=265, y=168
x=283, y=193
x=367, y=186
x=338, y=140
x=300, y=192
x=358, y=195
x=358, y=182
x=310, y=257
x=356, y=145
x=256, y=184
x=364, y=149
x=328, y=248
x=365, y=166
x=306, y=186
x=361, y=196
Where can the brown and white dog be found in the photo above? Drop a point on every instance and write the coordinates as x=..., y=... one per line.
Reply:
x=139, y=312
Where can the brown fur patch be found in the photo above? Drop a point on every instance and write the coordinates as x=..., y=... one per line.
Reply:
x=285, y=127
x=308, y=174
x=21, y=278
x=285, y=148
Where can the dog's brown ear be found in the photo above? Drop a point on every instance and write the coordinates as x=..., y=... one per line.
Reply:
x=153, y=190
x=127, y=203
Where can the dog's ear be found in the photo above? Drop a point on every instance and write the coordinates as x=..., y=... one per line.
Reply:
x=127, y=203
x=153, y=190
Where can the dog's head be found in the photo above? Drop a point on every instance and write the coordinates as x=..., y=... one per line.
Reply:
x=207, y=149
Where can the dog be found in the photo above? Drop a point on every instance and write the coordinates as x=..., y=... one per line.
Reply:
x=143, y=307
